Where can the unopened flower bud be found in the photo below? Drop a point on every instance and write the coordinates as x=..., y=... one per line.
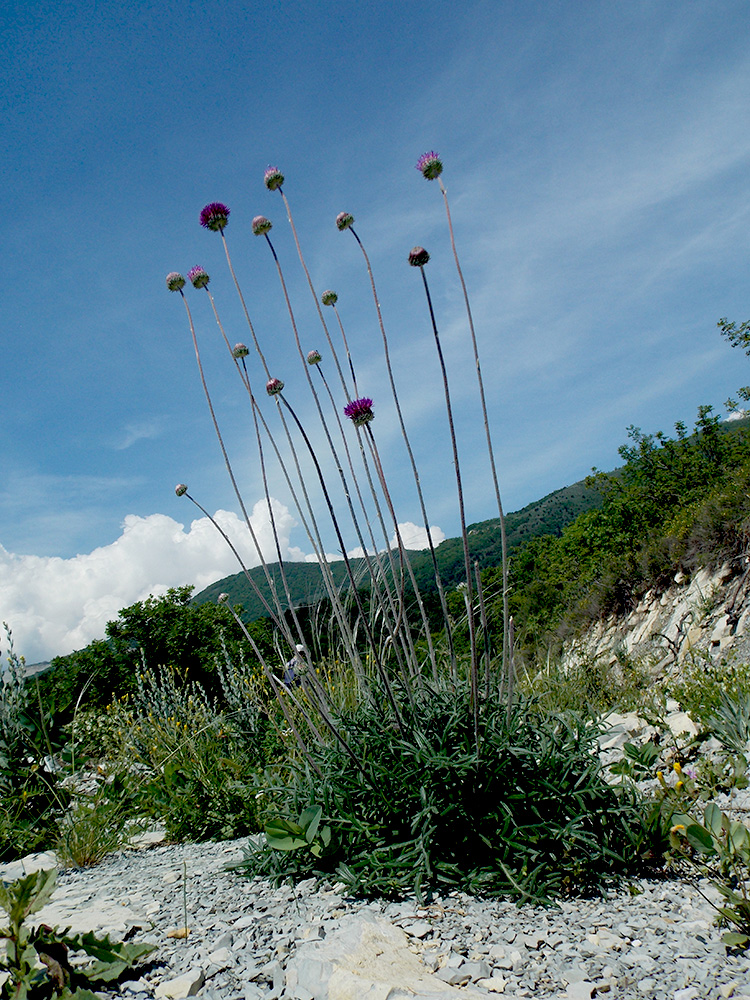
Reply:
x=274, y=386
x=240, y=351
x=329, y=298
x=418, y=257
x=180, y=489
x=198, y=276
x=273, y=178
x=261, y=225
x=175, y=281
x=313, y=358
x=344, y=220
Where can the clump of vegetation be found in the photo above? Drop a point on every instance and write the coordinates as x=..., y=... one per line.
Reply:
x=32, y=799
x=719, y=849
x=528, y=815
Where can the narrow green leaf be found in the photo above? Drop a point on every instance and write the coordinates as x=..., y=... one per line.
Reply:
x=713, y=818
x=309, y=821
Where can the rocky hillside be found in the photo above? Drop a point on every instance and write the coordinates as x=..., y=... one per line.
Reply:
x=707, y=614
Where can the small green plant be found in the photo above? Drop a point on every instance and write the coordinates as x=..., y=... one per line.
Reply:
x=730, y=723
x=198, y=768
x=285, y=835
x=638, y=761
x=31, y=795
x=37, y=965
x=100, y=820
x=724, y=843
x=714, y=775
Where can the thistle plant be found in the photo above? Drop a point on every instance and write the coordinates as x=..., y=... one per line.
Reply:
x=384, y=633
x=419, y=257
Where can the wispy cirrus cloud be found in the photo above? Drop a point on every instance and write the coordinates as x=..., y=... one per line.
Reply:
x=142, y=430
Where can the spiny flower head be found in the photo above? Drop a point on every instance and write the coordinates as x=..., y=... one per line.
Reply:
x=429, y=165
x=180, y=489
x=418, y=257
x=214, y=216
x=198, y=276
x=329, y=298
x=273, y=178
x=240, y=351
x=274, y=386
x=314, y=358
x=344, y=220
x=261, y=225
x=175, y=281
x=359, y=411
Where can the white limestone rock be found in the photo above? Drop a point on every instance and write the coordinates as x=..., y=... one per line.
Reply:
x=186, y=985
x=367, y=958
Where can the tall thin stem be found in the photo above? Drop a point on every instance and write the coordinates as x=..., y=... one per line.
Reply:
x=503, y=539
x=412, y=461
x=317, y=543
x=461, y=511
x=352, y=581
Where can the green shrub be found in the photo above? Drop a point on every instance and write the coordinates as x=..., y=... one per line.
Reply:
x=196, y=766
x=31, y=796
x=529, y=815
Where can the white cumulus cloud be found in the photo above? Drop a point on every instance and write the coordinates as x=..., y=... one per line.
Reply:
x=55, y=605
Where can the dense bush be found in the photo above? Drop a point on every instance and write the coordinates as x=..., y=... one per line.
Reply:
x=528, y=814
x=166, y=631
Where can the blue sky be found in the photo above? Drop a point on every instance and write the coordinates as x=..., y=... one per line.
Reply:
x=596, y=159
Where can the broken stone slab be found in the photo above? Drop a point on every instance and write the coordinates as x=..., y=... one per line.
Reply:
x=186, y=985
x=680, y=724
x=367, y=958
x=28, y=865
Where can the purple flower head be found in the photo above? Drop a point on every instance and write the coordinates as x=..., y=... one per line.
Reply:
x=214, y=216
x=359, y=411
x=429, y=165
x=344, y=220
x=273, y=178
x=314, y=358
x=418, y=257
x=274, y=386
x=198, y=276
x=261, y=225
x=180, y=489
x=175, y=281
x=240, y=351
x=329, y=298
